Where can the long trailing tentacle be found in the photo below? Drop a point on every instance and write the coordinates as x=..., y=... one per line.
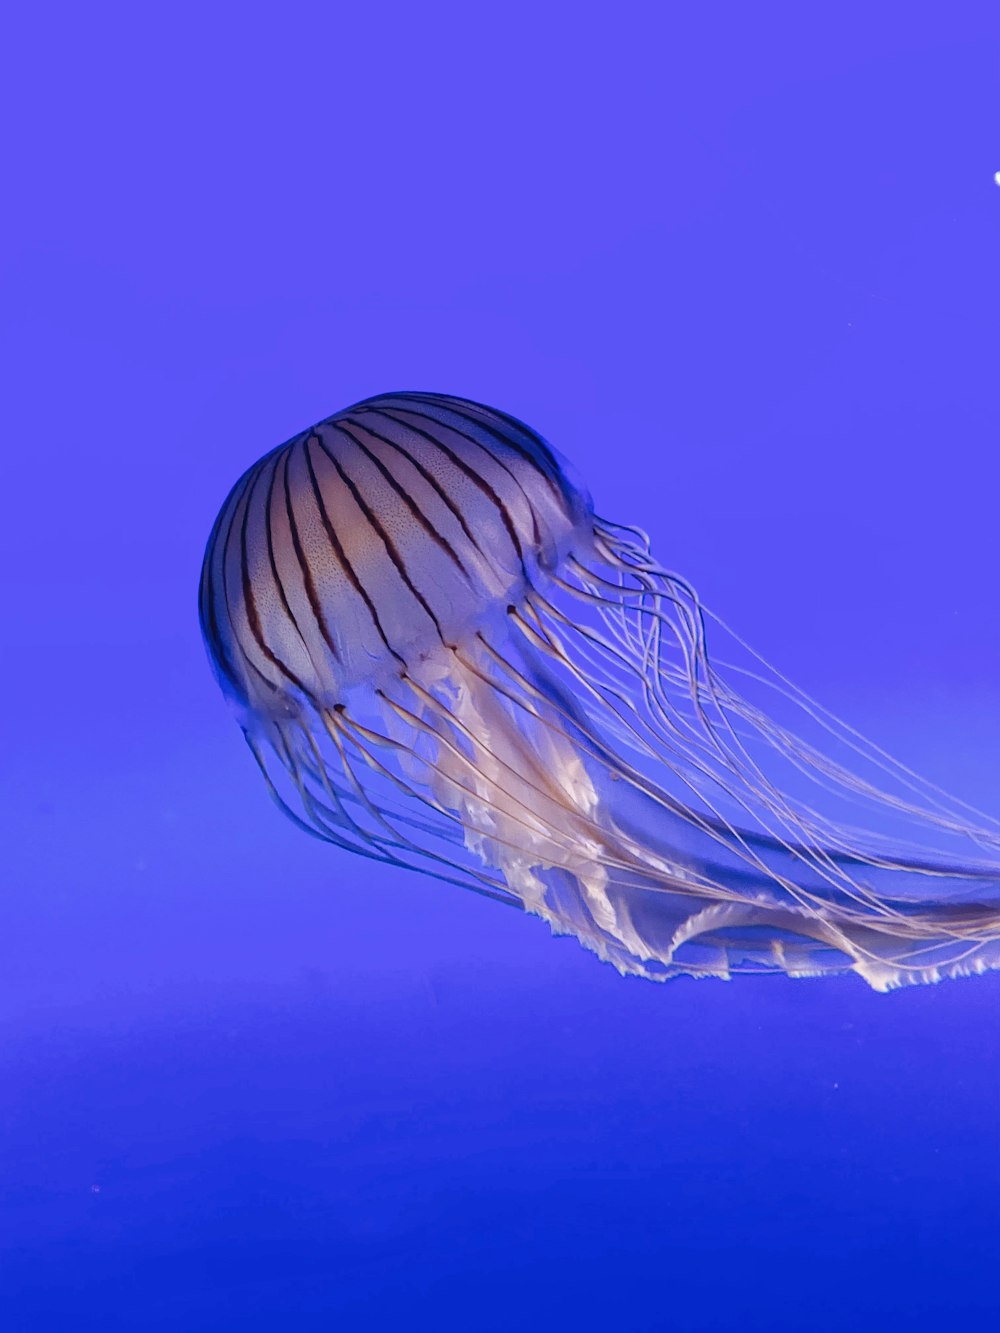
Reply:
x=508, y=769
x=633, y=557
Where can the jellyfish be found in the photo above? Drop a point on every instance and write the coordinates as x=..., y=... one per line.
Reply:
x=443, y=659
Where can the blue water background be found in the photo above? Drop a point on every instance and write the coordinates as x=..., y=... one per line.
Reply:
x=742, y=265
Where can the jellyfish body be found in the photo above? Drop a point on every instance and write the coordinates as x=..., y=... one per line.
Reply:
x=442, y=659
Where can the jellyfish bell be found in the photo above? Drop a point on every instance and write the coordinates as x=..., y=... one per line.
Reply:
x=442, y=658
x=368, y=540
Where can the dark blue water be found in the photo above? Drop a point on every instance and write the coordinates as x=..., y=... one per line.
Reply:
x=743, y=268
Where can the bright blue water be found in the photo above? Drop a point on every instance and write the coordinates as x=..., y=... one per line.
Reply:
x=743, y=269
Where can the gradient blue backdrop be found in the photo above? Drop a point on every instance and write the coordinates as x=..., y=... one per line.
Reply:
x=742, y=264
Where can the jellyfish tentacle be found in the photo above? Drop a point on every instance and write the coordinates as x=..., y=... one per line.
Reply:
x=833, y=725
x=780, y=737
